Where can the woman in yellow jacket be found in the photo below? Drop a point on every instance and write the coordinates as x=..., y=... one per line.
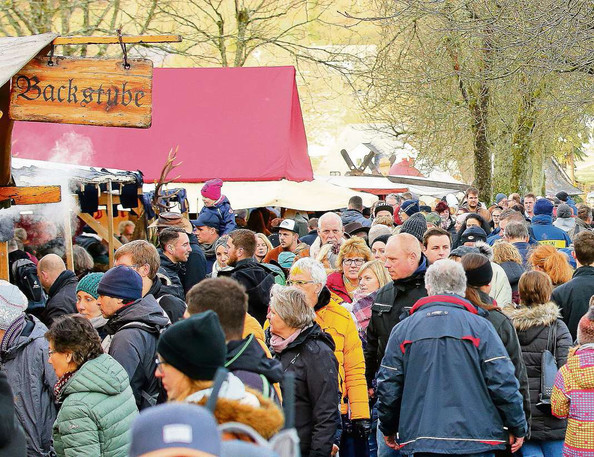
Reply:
x=310, y=276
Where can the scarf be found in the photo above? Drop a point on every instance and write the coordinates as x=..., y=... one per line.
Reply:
x=362, y=312
x=209, y=249
x=59, y=386
x=13, y=331
x=279, y=344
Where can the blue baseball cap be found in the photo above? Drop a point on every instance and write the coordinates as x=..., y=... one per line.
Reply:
x=208, y=219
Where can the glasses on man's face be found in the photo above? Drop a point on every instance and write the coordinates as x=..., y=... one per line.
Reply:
x=159, y=364
x=50, y=353
x=297, y=283
x=351, y=262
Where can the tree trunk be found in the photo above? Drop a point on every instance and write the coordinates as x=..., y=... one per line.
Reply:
x=482, y=151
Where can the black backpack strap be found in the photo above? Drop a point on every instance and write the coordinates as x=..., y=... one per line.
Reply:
x=289, y=399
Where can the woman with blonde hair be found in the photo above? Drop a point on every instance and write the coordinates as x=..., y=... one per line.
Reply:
x=263, y=247
x=509, y=258
x=352, y=255
x=547, y=259
x=372, y=277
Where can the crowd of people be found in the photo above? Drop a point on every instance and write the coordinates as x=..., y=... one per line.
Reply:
x=406, y=328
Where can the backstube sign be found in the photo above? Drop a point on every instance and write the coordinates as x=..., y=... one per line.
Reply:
x=84, y=91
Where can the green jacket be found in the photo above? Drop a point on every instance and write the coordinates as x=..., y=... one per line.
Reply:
x=97, y=411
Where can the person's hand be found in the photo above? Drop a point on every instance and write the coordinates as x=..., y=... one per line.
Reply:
x=391, y=442
x=334, y=450
x=361, y=428
x=516, y=443
x=371, y=392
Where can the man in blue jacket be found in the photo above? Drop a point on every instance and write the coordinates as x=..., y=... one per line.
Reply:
x=542, y=226
x=446, y=384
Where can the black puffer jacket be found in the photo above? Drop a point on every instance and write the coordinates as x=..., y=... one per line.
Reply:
x=61, y=298
x=257, y=280
x=392, y=304
x=573, y=297
x=173, y=271
x=311, y=358
x=532, y=325
x=133, y=332
x=172, y=305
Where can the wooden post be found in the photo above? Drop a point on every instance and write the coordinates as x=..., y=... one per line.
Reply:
x=5, y=136
x=4, y=260
x=110, y=223
x=68, y=242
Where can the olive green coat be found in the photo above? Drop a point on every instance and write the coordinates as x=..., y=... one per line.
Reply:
x=97, y=411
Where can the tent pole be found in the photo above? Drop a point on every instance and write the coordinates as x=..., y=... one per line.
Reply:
x=110, y=223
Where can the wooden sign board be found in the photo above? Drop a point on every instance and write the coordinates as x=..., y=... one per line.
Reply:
x=84, y=91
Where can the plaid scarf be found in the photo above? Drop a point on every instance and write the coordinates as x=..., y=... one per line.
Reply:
x=59, y=386
x=362, y=313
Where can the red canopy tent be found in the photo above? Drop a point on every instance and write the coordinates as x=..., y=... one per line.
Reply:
x=238, y=124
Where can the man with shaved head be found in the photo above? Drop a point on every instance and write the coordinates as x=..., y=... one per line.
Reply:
x=406, y=265
x=60, y=285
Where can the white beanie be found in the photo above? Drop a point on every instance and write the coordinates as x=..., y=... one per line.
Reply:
x=13, y=303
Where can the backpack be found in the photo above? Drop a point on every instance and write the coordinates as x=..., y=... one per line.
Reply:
x=284, y=444
x=24, y=275
x=276, y=271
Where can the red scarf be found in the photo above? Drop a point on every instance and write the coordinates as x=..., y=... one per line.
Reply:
x=60, y=385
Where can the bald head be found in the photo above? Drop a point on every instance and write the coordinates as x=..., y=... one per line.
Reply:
x=403, y=254
x=330, y=228
x=49, y=268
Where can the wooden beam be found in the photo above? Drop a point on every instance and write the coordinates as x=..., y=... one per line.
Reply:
x=410, y=180
x=101, y=231
x=31, y=195
x=68, y=242
x=4, y=260
x=5, y=136
x=109, y=211
x=116, y=40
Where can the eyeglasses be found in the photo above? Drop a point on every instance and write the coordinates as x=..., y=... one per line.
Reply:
x=356, y=262
x=297, y=283
x=50, y=353
x=159, y=364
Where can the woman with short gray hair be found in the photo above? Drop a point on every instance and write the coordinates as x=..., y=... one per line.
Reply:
x=305, y=350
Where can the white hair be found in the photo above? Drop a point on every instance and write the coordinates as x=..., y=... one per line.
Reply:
x=312, y=266
x=290, y=304
x=445, y=277
x=326, y=217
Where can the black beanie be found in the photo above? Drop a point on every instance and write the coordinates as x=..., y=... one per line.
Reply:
x=195, y=346
x=480, y=276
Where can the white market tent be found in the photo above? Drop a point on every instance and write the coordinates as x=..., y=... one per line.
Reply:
x=316, y=195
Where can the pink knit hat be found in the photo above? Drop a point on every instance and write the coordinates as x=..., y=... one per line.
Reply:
x=212, y=189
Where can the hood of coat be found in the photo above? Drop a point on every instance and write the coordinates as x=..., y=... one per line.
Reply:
x=580, y=363
x=542, y=219
x=566, y=224
x=248, y=355
x=37, y=332
x=526, y=317
x=238, y=403
x=145, y=311
x=102, y=375
x=513, y=271
x=351, y=215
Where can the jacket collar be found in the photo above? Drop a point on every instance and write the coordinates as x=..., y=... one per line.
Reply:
x=60, y=281
x=444, y=300
x=585, y=270
x=323, y=299
x=542, y=219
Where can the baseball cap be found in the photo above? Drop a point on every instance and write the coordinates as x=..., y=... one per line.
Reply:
x=288, y=224
x=208, y=219
x=473, y=234
x=175, y=429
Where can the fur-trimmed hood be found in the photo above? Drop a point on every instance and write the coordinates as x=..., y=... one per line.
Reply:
x=524, y=317
x=237, y=403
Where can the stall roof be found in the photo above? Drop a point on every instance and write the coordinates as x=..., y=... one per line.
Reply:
x=316, y=195
x=16, y=52
x=556, y=179
x=237, y=124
